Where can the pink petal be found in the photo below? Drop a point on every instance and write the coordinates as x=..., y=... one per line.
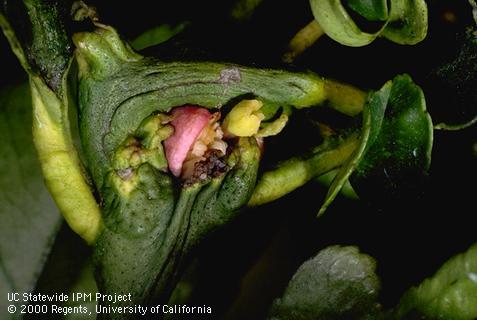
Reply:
x=188, y=123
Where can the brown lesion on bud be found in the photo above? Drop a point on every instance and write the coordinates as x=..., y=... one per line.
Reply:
x=213, y=165
x=208, y=148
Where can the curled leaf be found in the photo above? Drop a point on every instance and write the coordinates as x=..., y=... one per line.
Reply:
x=370, y=9
x=338, y=25
x=405, y=22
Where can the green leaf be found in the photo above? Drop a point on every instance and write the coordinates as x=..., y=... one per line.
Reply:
x=450, y=294
x=339, y=283
x=29, y=218
x=406, y=22
x=395, y=143
x=373, y=10
x=338, y=25
x=398, y=154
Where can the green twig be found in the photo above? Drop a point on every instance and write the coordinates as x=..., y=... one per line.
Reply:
x=304, y=39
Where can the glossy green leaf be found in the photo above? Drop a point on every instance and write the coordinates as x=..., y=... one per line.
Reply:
x=29, y=218
x=450, y=294
x=398, y=155
x=339, y=283
x=395, y=144
x=373, y=10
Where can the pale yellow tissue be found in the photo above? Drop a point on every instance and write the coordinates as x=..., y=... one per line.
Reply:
x=244, y=119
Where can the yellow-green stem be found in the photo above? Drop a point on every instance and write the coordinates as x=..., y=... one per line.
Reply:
x=294, y=173
x=344, y=97
x=304, y=38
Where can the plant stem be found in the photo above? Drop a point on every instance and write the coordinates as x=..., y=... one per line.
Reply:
x=304, y=38
x=344, y=98
x=295, y=172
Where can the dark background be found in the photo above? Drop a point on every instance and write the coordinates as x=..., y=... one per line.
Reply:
x=240, y=270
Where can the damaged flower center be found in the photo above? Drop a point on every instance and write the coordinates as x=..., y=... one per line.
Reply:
x=209, y=142
x=196, y=150
x=197, y=136
x=192, y=142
